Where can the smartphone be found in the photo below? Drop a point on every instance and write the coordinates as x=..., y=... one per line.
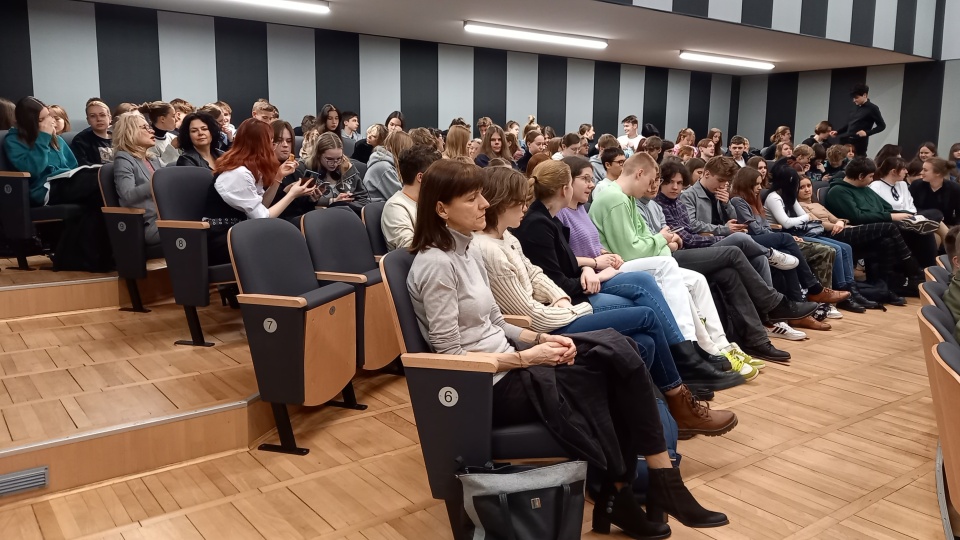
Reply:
x=678, y=229
x=309, y=182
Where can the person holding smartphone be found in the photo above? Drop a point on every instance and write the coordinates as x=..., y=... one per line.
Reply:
x=338, y=180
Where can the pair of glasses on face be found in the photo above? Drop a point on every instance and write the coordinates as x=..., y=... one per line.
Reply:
x=619, y=162
x=332, y=161
x=585, y=178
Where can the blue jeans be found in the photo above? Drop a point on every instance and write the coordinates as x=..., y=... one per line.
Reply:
x=629, y=289
x=643, y=326
x=842, y=265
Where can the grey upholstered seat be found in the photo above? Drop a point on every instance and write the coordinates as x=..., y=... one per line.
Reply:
x=371, y=214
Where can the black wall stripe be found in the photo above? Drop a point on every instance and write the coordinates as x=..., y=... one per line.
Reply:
x=920, y=112
x=734, y=111
x=128, y=51
x=606, y=98
x=552, y=92
x=242, y=65
x=419, y=82
x=698, y=114
x=757, y=13
x=338, y=72
x=861, y=30
x=698, y=8
x=813, y=18
x=655, y=87
x=17, y=79
x=489, y=86
x=782, y=91
x=906, y=26
x=841, y=83
x=938, y=29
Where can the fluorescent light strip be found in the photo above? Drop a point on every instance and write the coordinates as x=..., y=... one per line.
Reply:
x=533, y=35
x=725, y=60
x=308, y=6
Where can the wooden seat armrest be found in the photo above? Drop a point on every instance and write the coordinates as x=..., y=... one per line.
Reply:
x=377, y=258
x=122, y=210
x=776, y=226
x=168, y=224
x=15, y=174
x=341, y=277
x=272, y=300
x=479, y=362
x=518, y=320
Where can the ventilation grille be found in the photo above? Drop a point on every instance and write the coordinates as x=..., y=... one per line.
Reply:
x=19, y=481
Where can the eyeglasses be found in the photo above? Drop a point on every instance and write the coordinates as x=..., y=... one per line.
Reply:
x=586, y=178
x=619, y=162
x=332, y=161
x=146, y=128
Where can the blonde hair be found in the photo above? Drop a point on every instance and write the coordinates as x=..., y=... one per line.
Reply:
x=60, y=113
x=803, y=150
x=457, y=139
x=549, y=178
x=96, y=103
x=639, y=160
x=262, y=105
x=126, y=130
x=326, y=141
x=397, y=142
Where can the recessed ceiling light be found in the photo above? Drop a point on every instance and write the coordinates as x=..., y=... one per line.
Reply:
x=317, y=7
x=725, y=60
x=533, y=35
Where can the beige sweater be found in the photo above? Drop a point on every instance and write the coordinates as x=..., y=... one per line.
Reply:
x=820, y=212
x=521, y=288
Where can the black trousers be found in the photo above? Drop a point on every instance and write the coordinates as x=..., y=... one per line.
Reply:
x=884, y=247
x=84, y=244
x=789, y=282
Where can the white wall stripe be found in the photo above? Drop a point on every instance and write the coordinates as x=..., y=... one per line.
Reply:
x=951, y=39
x=786, y=15
x=885, y=24
x=720, y=88
x=379, y=77
x=455, y=84
x=753, y=109
x=950, y=109
x=839, y=19
x=662, y=5
x=522, y=84
x=63, y=41
x=579, y=93
x=924, y=28
x=813, y=102
x=886, y=90
x=631, y=91
x=725, y=10
x=188, y=52
x=678, y=102
x=291, y=50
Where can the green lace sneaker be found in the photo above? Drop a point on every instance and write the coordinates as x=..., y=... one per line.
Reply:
x=757, y=363
x=745, y=370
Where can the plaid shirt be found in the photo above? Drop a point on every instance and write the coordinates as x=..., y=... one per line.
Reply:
x=675, y=213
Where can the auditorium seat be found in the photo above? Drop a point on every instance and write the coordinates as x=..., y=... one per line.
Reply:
x=361, y=167
x=125, y=227
x=940, y=321
x=936, y=273
x=931, y=294
x=340, y=251
x=943, y=261
x=816, y=189
x=349, y=145
x=17, y=217
x=944, y=374
x=371, y=214
x=297, y=145
x=180, y=194
x=452, y=398
x=301, y=335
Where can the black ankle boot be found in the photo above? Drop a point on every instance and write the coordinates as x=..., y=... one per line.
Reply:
x=620, y=508
x=720, y=362
x=862, y=300
x=698, y=372
x=668, y=495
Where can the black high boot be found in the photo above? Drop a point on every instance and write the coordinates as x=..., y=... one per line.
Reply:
x=668, y=495
x=698, y=372
x=721, y=362
x=862, y=300
x=620, y=508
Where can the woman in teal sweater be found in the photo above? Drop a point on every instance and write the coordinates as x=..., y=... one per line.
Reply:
x=33, y=147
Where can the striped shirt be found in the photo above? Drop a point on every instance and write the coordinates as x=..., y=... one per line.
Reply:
x=584, y=236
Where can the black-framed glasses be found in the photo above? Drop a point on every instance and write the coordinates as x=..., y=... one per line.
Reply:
x=620, y=162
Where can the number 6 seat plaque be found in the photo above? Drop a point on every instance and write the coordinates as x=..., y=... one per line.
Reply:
x=449, y=396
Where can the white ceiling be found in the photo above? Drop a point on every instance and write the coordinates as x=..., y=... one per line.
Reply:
x=636, y=36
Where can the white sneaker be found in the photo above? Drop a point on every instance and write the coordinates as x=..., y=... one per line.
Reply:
x=834, y=313
x=920, y=224
x=781, y=260
x=783, y=330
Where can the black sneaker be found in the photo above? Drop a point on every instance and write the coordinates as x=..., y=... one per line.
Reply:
x=920, y=224
x=766, y=351
x=788, y=310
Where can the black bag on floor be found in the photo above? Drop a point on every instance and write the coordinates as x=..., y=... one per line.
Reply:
x=874, y=289
x=525, y=503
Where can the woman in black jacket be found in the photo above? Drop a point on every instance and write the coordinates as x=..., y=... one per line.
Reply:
x=198, y=145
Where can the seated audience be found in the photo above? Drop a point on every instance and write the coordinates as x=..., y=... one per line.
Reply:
x=821, y=133
x=887, y=151
x=890, y=184
x=760, y=164
x=836, y=162
x=706, y=149
x=32, y=146
x=225, y=121
x=612, y=160
x=569, y=146
x=7, y=109
x=133, y=169
x=494, y=145
x=395, y=122
x=937, y=192
x=283, y=140
x=93, y=146
x=952, y=297
x=62, y=118
x=362, y=150
x=182, y=108
x=926, y=151
x=424, y=137
x=162, y=118
x=716, y=135
x=329, y=120
x=458, y=137
x=534, y=144
x=456, y=310
x=338, y=181
x=631, y=140
x=606, y=141
x=382, y=179
x=307, y=124
x=264, y=111
x=780, y=136
x=122, y=108
x=199, y=132
x=351, y=126
x=653, y=145
x=400, y=211
x=695, y=168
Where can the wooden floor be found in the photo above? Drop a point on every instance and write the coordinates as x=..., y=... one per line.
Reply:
x=43, y=273
x=839, y=445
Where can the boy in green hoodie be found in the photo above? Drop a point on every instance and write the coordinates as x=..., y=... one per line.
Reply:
x=952, y=297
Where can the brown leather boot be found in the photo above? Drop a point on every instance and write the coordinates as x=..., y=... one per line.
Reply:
x=694, y=417
x=810, y=323
x=828, y=296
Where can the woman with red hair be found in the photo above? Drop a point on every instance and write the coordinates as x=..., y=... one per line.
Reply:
x=246, y=180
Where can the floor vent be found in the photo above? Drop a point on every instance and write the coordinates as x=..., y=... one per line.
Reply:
x=17, y=482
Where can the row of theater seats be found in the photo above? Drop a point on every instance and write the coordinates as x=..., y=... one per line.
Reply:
x=942, y=355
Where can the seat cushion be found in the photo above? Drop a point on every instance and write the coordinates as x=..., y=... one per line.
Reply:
x=222, y=273
x=59, y=211
x=523, y=441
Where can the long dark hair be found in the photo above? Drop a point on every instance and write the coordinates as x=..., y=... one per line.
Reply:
x=786, y=181
x=321, y=122
x=443, y=181
x=27, y=116
x=186, y=143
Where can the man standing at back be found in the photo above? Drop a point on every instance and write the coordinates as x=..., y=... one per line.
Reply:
x=865, y=120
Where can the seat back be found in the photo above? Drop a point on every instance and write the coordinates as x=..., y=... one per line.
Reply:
x=338, y=241
x=270, y=257
x=361, y=167
x=297, y=145
x=941, y=322
x=371, y=215
x=941, y=275
x=4, y=163
x=945, y=390
x=822, y=194
x=349, y=145
x=68, y=136
x=931, y=293
x=108, y=186
x=943, y=261
x=181, y=192
x=394, y=267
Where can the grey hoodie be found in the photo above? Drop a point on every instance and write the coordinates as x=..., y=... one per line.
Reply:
x=599, y=172
x=382, y=179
